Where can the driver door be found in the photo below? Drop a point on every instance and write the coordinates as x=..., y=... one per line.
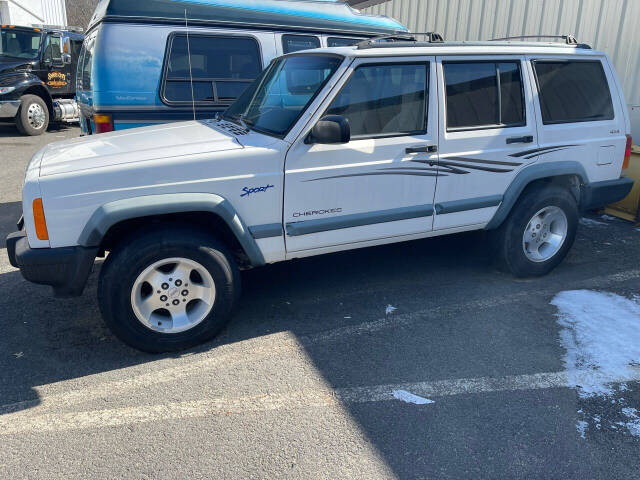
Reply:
x=381, y=184
x=55, y=73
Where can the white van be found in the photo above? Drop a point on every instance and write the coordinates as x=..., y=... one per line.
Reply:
x=328, y=150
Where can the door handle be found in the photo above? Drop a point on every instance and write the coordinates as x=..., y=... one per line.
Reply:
x=422, y=149
x=525, y=139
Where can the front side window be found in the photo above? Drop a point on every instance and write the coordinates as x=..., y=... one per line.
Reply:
x=295, y=43
x=277, y=98
x=221, y=68
x=384, y=100
x=484, y=94
x=19, y=44
x=53, y=49
x=573, y=91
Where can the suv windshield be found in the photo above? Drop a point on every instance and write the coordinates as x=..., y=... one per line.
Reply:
x=277, y=98
x=19, y=44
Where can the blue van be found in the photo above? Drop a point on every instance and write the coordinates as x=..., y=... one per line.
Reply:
x=157, y=61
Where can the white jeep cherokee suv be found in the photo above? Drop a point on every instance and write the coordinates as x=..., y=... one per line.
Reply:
x=330, y=149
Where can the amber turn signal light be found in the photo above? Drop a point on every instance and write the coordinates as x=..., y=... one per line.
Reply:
x=39, y=220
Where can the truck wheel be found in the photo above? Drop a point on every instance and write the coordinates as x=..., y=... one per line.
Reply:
x=33, y=116
x=538, y=233
x=167, y=290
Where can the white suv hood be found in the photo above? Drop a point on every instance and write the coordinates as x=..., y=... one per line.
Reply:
x=135, y=145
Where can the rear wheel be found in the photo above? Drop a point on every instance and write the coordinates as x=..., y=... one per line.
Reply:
x=539, y=231
x=33, y=116
x=168, y=290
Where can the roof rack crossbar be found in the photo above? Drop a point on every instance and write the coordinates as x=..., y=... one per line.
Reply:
x=568, y=39
x=69, y=28
x=432, y=37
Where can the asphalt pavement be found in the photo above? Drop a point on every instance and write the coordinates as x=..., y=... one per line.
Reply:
x=303, y=382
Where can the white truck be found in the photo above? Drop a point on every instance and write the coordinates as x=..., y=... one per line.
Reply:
x=328, y=150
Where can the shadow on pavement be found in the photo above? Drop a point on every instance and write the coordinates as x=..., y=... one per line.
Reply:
x=9, y=215
x=525, y=434
x=9, y=130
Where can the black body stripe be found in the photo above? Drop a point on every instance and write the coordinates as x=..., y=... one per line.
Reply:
x=548, y=151
x=477, y=160
x=539, y=150
x=475, y=167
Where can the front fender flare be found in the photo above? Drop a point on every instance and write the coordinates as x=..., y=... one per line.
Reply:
x=115, y=212
x=529, y=174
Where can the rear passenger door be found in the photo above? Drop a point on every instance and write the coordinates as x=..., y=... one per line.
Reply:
x=487, y=126
x=581, y=120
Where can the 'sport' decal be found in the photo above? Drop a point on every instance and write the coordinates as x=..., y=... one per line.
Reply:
x=249, y=191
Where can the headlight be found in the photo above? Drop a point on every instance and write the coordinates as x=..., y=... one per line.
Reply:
x=4, y=90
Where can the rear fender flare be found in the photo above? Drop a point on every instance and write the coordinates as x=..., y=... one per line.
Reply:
x=530, y=174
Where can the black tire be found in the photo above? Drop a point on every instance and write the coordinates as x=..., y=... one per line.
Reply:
x=507, y=240
x=123, y=266
x=22, y=119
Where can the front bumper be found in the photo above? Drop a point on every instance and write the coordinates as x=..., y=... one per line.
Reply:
x=600, y=194
x=9, y=108
x=65, y=269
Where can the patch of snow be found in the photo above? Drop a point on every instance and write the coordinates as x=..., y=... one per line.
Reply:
x=390, y=309
x=590, y=222
x=608, y=217
x=411, y=398
x=601, y=335
x=634, y=424
x=582, y=427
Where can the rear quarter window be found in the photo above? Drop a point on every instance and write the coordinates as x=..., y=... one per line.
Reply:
x=573, y=91
x=295, y=43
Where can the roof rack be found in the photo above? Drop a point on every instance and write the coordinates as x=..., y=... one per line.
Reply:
x=568, y=39
x=393, y=40
x=69, y=28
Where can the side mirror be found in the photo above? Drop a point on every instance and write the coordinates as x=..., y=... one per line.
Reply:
x=66, y=59
x=329, y=130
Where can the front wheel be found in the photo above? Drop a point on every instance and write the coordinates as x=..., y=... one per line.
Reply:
x=539, y=231
x=33, y=116
x=168, y=290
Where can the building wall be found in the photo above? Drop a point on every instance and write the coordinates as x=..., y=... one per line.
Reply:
x=611, y=26
x=33, y=12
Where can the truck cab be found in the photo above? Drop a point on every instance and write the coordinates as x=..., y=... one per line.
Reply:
x=37, y=76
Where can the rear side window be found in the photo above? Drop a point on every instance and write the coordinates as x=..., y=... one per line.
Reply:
x=484, y=95
x=573, y=91
x=342, y=41
x=222, y=67
x=295, y=43
x=384, y=100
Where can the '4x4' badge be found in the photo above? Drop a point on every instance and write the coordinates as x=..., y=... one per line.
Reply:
x=248, y=191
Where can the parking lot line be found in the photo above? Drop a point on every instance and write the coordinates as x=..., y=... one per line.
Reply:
x=25, y=422
x=59, y=394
